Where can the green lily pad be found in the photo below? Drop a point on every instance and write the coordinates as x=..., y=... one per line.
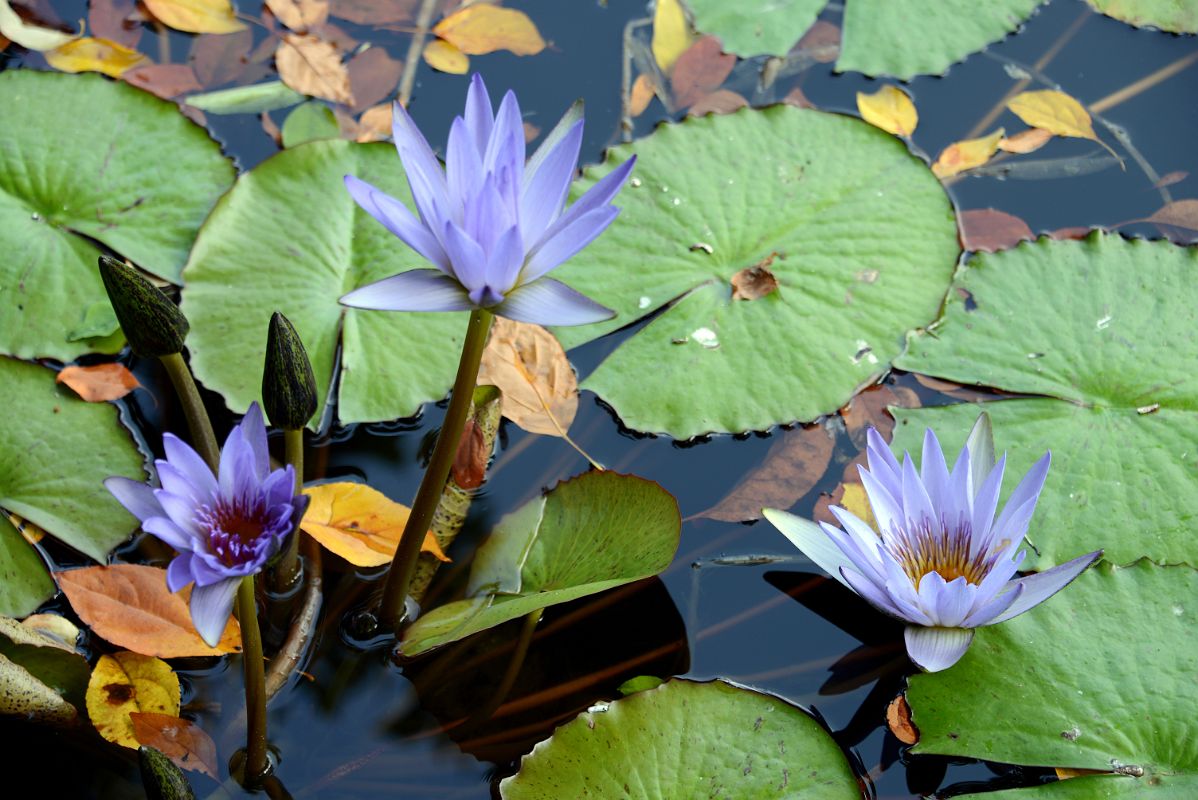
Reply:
x=589, y=534
x=1100, y=325
x=686, y=741
x=52, y=467
x=756, y=28
x=308, y=122
x=84, y=159
x=1099, y=677
x=858, y=233
x=1175, y=16
x=289, y=238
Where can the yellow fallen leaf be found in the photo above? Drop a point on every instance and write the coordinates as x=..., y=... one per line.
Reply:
x=529, y=366
x=641, y=95
x=374, y=125
x=672, y=35
x=960, y=156
x=313, y=66
x=123, y=683
x=890, y=109
x=857, y=501
x=358, y=523
x=94, y=55
x=1053, y=111
x=441, y=55
x=29, y=35
x=300, y=15
x=196, y=16
x=483, y=28
x=1027, y=141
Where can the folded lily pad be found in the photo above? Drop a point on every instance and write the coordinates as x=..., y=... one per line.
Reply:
x=1101, y=325
x=591, y=533
x=1175, y=16
x=84, y=159
x=1100, y=677
x=686, y=741
x=840, y=236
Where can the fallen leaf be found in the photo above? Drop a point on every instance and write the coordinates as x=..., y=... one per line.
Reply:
x=792, y=467
x=130, y=606
x=821, y=42
x=530, y=368
x=360, y=524
x=641, y=94
x=51, y=657
x=167, y=81
x=870, y=408
x=795, y=97
x=1075, y=232
x=373, y=77
x=1027, y=141
x=337, y=36
x=23, y=695
x=299, y=15
x=699, y=71
x=30, y=35
x=671, y=33
x=531, y=132
x=374, y=12
x=898, y=719
x=1170, y=179
x=124, y=683
x=32, y=533
x=989, y=230
x=271, y=128
x=196, y=16
x=721, y=101
x=967, y=154
x=220, y=58
x=889, y=108
x=441, y=55
x=1178, y=214
x=180, y=740
x=252, y=99
x=94, y=55
x=1065, y=773
x=374, y=125
x=115, y=20
x=4, y=42
x=313, y=66
x=752, y=283
x=1053, y=111
x=100, y=382
x=483, y=28
x=55, y=628
x=470, y=461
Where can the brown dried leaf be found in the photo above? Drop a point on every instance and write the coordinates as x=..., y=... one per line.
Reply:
x=641, y=94
x=752, y=283
x=531, y=132
x=898, y=719
x=115, y=20
x=313, y=66
x=869, y=409
x=441, y=55
x=167, y=81
x=1027, y=141
x=483, y=28
x=699, y=71
x=180, y=740
x=795, y=97
x=470, y=461
x=1178, y=214
x=721, y=101
x=374, y=125
x=821, y=42
x=220, y=58
x=300, y=15
x=336, y=36
x=271, y=127
x=373, y=77
x=529, y=366
x=374, y=12
x=100, y=382
x=1171, y=178
x=793, y=465
x=989, y=230
x=130, y=606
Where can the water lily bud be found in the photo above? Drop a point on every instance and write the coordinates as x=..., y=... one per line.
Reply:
x=288, y=386
x=161, y=778
x=152, y=323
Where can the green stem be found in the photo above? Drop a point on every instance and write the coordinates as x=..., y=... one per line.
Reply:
x=286, y=570
x=403, y=566
x=202, y=437
x=513, y=669
x=256, y=767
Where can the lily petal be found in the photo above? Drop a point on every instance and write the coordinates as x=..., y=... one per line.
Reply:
x=396, y=218
x=809, y=538
x=136, y=497
x=555, y=251
x=936, y=649
x=1043, y=585
x=178, y=572
x=210, y=608
x=169, y=532
x=193, y=467
x=415, y=290
x=547, y=182
x=479, y=116
x=550, y=302
x=598, y=196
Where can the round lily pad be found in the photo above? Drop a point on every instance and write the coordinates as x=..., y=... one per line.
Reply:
x=1175, y=16
x=789, y=251
x=52, y=468
x=84, y=159
x=289, y=238
x=1100, y=325
x=686, y=741
x=591, y=533
x=1099, y=677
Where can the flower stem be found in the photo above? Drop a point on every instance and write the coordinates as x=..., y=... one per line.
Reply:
x=202, y=437
x=403, y=566
x=256, y=767
x=286, y=570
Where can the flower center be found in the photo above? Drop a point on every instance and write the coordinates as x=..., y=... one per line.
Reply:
x=235, y=529
x=932, y=547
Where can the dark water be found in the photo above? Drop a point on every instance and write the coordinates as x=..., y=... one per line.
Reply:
x=360, y=727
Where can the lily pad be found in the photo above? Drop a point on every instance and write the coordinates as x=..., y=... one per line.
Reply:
x=1175, y=16
x=83, y=160
x=857, y=232
x=1026, y=692
x=1098, y=324
x=52, y=468
x=685, y=741
x=289, y=238
x=589, y=534
x=756, y=28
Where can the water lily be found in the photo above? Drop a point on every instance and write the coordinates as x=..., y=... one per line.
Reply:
x=223, y=529
x=492, y=225
x=939, y=560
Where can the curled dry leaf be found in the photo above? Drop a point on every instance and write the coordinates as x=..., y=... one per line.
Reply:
x=989, y=230
x=889, y=108
x=641, y=94
x=94, y=55
x=130, y=606
x=967, y=154
x=167, y=81
x=359, y=524
x=753, y=283
x=671, y=33
x=124, y=683
x=441, y=55
x=483, y=28
x=23, y=695
x=98, y=383
x=313, y=67
x=530, y=368
x=699, y=71
x=30, y=35
x=1027, y=141
x=180, y=740
x=721, y=101
x=115, y=20
x=373, y=77
x=196, y=16
x=299, y=15
x=898, y=719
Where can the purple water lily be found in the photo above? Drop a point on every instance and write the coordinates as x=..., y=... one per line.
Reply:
x=939, y=560
x=492, y=225
x=223, y=528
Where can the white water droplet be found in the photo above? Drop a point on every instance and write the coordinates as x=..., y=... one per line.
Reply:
x=706, y=337
x=643, y=302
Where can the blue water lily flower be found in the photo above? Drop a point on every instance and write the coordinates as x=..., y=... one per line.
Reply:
x=492, y=225
x=939, y=560
x=223, y=529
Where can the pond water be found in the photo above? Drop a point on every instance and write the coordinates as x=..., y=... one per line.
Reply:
x=357, y=725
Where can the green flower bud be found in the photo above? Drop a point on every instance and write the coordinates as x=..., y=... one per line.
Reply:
x=152, y=323
x=288, y=386
x=161, y=779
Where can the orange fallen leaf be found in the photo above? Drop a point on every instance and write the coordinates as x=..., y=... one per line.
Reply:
x=641, y=95
x=1027, y=141
x=889, y=108
x=300, y=15
x=699, y=71
x=313, y=67
x=125, y=683
x=989, y=230
x=100, y=382
x=441, y=55
x=374, y=125
x=484, y=28
x=470, y=461
x=870, y=408
x=533, y=375
x=130, y=606
x=360, y=524
x=180, y=740
x=196, y=16
x=967, y=154
x=898, y=719
x=94, y=55
x=753, y=283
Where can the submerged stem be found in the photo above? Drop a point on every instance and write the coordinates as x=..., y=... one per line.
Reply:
x=513, y=668
x=403, y=566
x=256, y=766
x=202, y=437
x=286, y=570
